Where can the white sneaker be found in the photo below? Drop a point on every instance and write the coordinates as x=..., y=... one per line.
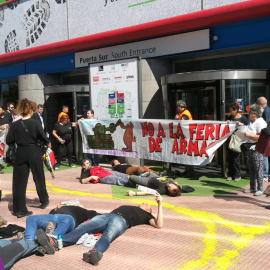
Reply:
x=249, y=191
x=265, y=179
x=258, y=193
x=229, y=178
x=237, y=179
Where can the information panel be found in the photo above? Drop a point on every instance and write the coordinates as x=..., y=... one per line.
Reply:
x=114, y=89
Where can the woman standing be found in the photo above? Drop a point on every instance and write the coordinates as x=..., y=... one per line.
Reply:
x=93, y=158
x=254, y=158
x=63, y=133
x=234, y=172
x=25, y=133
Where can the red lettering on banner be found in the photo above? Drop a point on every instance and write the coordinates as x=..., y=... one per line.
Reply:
x=217, y=132
x=151, y=144
x=192, y=130
x=178, y=133
x=226, y=130
x=193, y=147
x=175, y=147
x=158, y=142
x=144, y=129
x=203, y=149
x=160, y=131
x=154, y=145
x=208, y=131
x=147, y=128
x=199, y=133
x=190, y=147
x=183, y=146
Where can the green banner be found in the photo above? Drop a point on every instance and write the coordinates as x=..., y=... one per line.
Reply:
x=2, y=1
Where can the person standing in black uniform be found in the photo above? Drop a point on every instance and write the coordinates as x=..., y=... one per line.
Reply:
x=25, y=133
x=62, y=131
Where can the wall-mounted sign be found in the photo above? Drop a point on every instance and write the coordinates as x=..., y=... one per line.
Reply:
x=192, y=41
x=240, y=103
x=114, y=89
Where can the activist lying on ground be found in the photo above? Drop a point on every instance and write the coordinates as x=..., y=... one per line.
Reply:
x=129, y=169
x=97, y=174
x=159, y=185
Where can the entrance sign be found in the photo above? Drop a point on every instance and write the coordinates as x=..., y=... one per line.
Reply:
x=187, y=42
x=183, y=142
x=114, y=89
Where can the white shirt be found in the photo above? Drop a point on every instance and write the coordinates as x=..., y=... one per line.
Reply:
x=41, y=119
x=255, y=128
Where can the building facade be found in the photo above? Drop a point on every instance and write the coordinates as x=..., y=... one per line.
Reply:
x=209, y=53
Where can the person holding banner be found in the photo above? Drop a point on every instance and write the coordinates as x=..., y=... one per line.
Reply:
x=62, y=131
x=255, y=160
x=234, y=171
x=161, y=185
x=184, y=114
x=93, y=158
x=262, y=101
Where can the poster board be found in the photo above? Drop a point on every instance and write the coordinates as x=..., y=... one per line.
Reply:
x=114, y=89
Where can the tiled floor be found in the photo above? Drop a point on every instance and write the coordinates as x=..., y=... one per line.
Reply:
x=200, y=232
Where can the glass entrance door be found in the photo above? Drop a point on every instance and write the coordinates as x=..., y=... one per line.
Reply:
x=201, y=102
x=82, y=102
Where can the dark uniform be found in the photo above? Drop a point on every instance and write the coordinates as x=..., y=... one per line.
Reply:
x=28, y=156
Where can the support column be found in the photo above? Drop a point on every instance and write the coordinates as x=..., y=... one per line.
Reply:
x=32, y=86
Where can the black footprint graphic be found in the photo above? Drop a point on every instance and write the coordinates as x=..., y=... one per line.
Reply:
x=1, y=17
x=60, y=1
x=35, y=20
x=13, y=5
x=11, y=43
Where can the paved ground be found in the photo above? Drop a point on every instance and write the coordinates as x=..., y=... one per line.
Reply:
x=200, y=232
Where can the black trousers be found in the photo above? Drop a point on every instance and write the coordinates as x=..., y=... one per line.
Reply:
x=234, y=167
x=66, y=148
x=27, y=157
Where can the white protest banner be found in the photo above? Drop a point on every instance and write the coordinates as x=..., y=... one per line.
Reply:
x=183, y=142
x=3, y=134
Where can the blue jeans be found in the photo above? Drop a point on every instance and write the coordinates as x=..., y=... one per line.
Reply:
x=110, y=225
x=93, y=159
x=265, y=168
x=13, y=250
x=62, y=224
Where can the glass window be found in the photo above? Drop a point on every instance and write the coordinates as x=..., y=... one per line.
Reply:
x=247, y=90
x=8, y=93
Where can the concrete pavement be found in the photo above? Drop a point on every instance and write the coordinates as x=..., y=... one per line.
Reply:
x=200, y=232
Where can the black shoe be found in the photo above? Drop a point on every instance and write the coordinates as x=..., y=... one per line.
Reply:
x=92, y=256
x=40, y=251
x=44, y=205
x=46, y=242
x=24, y=214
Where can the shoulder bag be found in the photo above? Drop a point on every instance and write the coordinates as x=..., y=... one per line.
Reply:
x=235, y=143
